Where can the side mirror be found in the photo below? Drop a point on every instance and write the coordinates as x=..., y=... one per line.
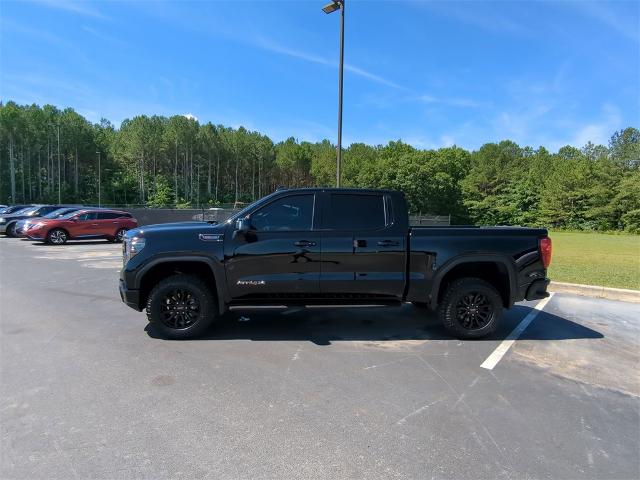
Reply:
x=243, y=225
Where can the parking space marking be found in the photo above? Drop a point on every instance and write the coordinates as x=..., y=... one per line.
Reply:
x=493, y=359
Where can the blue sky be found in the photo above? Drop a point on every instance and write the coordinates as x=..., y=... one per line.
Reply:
x=430, y=73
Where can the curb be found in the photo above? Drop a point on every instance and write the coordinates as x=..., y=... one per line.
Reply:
x=595, y=291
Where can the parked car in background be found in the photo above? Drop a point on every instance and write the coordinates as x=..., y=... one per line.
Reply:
x=8, y=222
x=13, y=208
x=82, y=225
x=23, y=225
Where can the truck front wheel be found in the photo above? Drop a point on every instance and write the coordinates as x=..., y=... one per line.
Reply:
x=181, y=307
x=470, y=308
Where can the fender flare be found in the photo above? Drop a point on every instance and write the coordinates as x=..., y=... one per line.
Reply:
x=217, y=271
x=507, y=262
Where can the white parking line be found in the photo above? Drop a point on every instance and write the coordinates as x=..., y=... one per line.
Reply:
x=493, y=359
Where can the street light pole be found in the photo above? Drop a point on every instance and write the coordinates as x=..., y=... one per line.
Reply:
x=99, y=180
x=330, y=8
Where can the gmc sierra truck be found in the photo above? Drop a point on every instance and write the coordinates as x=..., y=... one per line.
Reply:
x=328, y=247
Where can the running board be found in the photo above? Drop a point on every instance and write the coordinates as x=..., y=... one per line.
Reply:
x=284, y=307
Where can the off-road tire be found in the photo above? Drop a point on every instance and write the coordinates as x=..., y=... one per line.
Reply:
x=165, y=307
x=453, y=311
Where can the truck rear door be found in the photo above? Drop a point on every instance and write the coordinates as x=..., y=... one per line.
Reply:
x=363, y=246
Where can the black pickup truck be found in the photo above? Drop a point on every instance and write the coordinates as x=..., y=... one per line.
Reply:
x=328, y=247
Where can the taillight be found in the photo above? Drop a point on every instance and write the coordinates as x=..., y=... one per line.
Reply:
x=545, y=251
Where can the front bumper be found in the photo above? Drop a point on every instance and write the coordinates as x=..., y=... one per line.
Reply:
x=538, y=289
x=130, y=297
x=3, y=228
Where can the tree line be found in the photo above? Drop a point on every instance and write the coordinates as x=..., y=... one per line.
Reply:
x=48, y=154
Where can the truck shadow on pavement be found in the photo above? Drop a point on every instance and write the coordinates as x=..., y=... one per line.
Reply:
x=326, y=326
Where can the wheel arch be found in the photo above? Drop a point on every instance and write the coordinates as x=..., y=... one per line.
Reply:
x=159, y=269
x=495, y=269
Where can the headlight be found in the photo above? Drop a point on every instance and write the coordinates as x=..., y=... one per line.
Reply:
x=3, y=220
x=131, y=247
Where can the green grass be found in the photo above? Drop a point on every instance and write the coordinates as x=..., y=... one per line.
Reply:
x=596, y=259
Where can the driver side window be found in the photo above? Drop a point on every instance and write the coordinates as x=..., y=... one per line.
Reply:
x=292, y=213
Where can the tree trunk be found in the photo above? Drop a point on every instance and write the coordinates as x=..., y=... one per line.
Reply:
x=12, y=167
x=209, y=176
x=76, y=176
x=217, y=172
x=175, y=175
x=22, y=170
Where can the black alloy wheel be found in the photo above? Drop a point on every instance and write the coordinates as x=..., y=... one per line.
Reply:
x=473, y=311
x=180, y=308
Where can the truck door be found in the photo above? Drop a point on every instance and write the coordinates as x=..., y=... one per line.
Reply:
x=363, y=246
x=280, y=254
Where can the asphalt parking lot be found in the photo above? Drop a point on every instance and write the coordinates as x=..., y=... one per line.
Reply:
x=87, y=391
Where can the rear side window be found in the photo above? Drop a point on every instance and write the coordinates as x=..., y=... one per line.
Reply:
x=355, y=212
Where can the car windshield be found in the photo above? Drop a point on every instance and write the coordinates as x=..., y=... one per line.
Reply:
x=60, y=212
x=22, y=211
x=70, y=214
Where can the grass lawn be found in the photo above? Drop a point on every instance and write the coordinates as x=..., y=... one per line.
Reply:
x=596, y=259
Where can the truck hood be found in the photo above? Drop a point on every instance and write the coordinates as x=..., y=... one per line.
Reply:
x=177, y=227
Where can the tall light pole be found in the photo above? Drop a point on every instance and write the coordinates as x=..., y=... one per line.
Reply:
x=99, y=179
x=330, y=8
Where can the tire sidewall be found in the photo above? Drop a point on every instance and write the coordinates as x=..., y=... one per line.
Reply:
x=454, y=294
x=11, y=230
x=197, y=288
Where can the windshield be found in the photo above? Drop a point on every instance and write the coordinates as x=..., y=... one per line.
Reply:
x=244, y=211
x=23, y=211
x=70, y=214
x=60, y=212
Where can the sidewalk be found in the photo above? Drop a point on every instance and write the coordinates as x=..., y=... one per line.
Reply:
x=595, y=291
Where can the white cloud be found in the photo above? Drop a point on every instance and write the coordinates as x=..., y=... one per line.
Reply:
x=190, y=116
x=271, y=46
x=79, y=8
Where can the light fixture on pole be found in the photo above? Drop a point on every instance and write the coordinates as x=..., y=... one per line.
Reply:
x=330, y=8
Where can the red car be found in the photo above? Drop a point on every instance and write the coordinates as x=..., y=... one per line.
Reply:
x=81, y=225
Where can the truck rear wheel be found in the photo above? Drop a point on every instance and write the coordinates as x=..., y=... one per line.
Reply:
x=181, y=307
x=470, y=308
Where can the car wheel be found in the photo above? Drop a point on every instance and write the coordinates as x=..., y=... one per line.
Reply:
x=120, y=234
x=57, y=236
x=11, y=230
x=181, y=307
x=470, y=308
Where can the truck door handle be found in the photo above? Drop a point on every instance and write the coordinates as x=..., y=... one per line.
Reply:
x=304, y=243
x=388, y=243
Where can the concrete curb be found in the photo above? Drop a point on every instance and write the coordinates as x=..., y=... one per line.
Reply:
x=594, y=291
